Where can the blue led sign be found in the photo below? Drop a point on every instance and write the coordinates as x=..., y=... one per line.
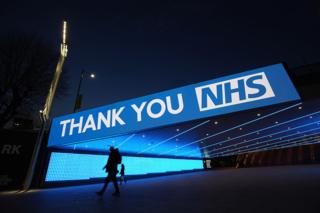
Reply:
x=75, y=166
x=256, y=88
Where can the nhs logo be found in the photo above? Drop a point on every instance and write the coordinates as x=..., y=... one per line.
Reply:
x=234, y=91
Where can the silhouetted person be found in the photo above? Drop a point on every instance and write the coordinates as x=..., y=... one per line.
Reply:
x=122, y=178
x=112, y=168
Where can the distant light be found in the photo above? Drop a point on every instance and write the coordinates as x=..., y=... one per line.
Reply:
x=240, y=128
x=300, y=107
x=258, y=114
x=310, y=117
x=92, y=75
x=143, y=136
x=207, y=134
x=177, y=139
x=276, y=122
x=41, y=111
x=216, y=122
x=177, y=130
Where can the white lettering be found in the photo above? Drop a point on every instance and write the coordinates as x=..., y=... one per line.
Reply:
x=64, y=123
x=234, y=91
x=162, y=110
x=139, y=110
x=76, y=125
x=180, y=104
x=89, y=124
x=116, y=117
x=106, y=121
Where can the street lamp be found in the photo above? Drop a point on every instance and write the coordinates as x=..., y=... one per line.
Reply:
x=78, y=102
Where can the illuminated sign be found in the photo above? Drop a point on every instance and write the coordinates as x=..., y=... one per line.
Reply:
x=256, y=88
x=74, y=166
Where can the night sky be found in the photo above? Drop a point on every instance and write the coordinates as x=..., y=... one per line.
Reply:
x=140, y=48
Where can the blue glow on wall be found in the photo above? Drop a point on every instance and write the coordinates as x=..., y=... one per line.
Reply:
x=73, y=166
x=135, y=143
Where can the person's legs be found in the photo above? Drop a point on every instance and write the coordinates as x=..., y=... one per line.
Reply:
x=105, y=185
x=115, y=184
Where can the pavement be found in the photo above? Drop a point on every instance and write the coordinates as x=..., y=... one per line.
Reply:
x=264, y=189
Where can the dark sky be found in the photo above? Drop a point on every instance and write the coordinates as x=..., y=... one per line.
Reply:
x=141, y=47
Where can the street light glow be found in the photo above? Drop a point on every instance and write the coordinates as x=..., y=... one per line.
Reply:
x=64, y=33
x=92, y=75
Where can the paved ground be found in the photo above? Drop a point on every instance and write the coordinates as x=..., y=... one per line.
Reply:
x=268, y=189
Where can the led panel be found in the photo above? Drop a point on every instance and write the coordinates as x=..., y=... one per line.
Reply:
x=73, y=166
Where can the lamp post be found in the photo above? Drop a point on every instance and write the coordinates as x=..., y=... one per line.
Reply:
x=78, y=102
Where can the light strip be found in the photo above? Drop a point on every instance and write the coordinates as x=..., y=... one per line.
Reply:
x=64, y=33
x=260, y=130
x=271, y=140
x=267, y=149
x=177, y=135
x=297, y=143
x=254, y=139
x=255, y=148
x=315, y=141
x=126, y=140
x=286, y=142
x=232, y=128
x=282, y=147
